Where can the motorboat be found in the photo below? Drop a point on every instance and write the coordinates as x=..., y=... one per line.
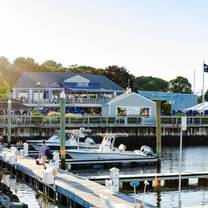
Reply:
x=107, y=151
x=72, y=140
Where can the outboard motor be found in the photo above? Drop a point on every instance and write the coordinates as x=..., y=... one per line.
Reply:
x=147, y=151
x=121, y=148
x=89, y=140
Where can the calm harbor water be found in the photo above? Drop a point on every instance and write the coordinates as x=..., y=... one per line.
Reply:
x=194, y=159
x=26, y=194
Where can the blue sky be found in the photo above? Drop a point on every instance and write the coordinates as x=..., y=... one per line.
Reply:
x=162, y=38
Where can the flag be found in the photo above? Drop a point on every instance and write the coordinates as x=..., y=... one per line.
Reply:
x=205, y=68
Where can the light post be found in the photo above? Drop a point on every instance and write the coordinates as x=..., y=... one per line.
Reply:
x=9, y=122
x=146, y=183
x=134, y=184
x=38, y=85
x=62, y=129
x=183, y=128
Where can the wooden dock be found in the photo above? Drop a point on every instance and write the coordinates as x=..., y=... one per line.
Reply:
x=151, y=176
x=76, y=189
x=168, y=178
x=77, y=164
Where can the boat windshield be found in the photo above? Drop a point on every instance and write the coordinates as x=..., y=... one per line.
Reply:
x=55, y=137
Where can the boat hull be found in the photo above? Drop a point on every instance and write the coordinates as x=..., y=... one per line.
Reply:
x=56, y=146
x=95, y=155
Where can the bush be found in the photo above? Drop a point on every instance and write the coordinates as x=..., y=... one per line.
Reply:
x=37, y=117
x=166, y=108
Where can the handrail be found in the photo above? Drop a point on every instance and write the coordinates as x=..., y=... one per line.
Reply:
x=96, y=120
x=77, y=120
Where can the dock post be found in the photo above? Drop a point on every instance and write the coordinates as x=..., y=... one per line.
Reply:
x=62, y=129
x=158, y=129
x=9, y=122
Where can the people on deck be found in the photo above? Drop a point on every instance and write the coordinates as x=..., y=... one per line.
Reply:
x=1, y=141
x=43, y=154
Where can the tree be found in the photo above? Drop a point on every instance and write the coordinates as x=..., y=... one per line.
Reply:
x=4, y=62
x=8, y=73
x=51, y=65
x=119, y=75
x=83, y=69
x=180, y=85
x=26, y=64
x=150, y=83
x=4, y=88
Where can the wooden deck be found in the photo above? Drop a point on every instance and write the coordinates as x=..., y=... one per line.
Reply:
x=151, y=176
x=79, y=189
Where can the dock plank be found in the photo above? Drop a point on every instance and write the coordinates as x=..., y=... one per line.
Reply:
x=81, y=190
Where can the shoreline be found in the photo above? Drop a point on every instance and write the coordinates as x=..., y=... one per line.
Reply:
x=7, y=198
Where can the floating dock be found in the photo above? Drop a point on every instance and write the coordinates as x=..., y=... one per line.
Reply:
x=69, y=189
x=77, y=164
x=169, y=179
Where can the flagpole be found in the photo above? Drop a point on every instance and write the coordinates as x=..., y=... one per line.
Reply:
x=194, y=81
x=203, y=91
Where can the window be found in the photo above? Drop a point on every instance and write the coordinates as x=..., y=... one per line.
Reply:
x=133, y=111
x=22, y=94
x=145, y=111
x=121, y=111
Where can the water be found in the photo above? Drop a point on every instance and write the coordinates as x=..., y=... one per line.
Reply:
x=194, y=159
x=26, y=194
x=169, y=199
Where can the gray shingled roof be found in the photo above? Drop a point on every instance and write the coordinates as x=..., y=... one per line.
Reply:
x=30, y=79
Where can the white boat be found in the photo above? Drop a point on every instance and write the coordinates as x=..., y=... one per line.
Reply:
x=72, y=140
x=107, y=151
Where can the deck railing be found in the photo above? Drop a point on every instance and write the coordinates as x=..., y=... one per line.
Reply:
x=191, y=120
x=100, y=121
x=78, y=100
x=48, y=121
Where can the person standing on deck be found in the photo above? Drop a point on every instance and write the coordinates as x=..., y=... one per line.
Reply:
x=43, y=155
x=1, y=141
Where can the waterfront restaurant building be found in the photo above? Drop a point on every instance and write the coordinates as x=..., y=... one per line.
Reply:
x=131, y=104
x=85, y=93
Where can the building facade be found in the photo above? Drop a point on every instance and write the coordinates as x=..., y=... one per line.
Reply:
x=83, y=91
x=131, y=104
x=178, y=101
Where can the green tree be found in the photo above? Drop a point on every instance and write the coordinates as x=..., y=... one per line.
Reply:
x=4, y=62
x=7, y=71
x=119, y=75
x=4, y=88
x=26, y=64
x=180, y=85
x=83, y=69
x=150, y=83
x=51, y=65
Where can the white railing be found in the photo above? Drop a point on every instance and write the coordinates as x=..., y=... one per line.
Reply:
x=71, y=121
x=27, y=120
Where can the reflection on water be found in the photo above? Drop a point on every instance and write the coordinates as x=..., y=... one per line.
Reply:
x=169, y=199
x=26, y=194
x=194, y=159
